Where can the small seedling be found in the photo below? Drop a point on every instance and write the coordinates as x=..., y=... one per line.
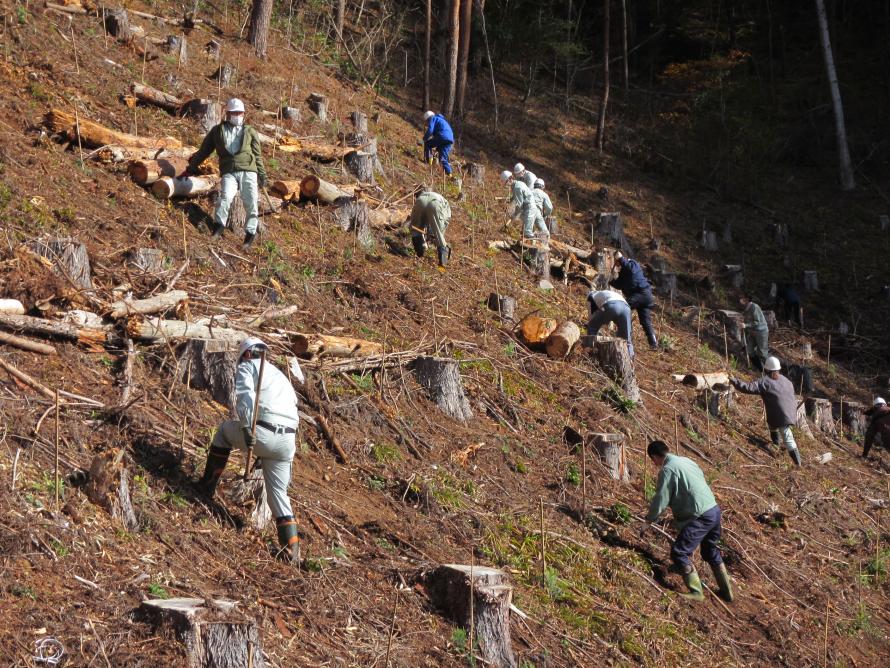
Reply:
x=157, y=590
x=573, y=475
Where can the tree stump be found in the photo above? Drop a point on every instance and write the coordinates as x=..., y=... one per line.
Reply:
x=176, y=46
x=290, y=115
x=441, y=378
x=361, y=165
x=806, y=351
x=352, y=216
x=108, y=485
x=504, y=306
x=716, y=403
x=117, y=23
x=213, y=49
x=810, y=281
x=733, y=321
x=552, y=225
x=852, y=416
x=665, y=282
x=318, y=105
x=726, y=237
x=359, y=121
x=610, y=228
x=884, y=221
x=537, y=252
x=604, y=263
x=734, y=275
x=146, y=260
x=206, y=112
x=252, y=494
x=560, y=342
x=533, y=330
x=475, y=172
x=802, y=424
x=450, y=588
x=772, y=322
x=208, y=364
x=69, y=257
x=610, y=448
x=709, y=240
x=215, y=636
x=614, y=358
x=885, y=293
x=801, y=377
x=224, y=75
x=843, y=328
x=820, y=414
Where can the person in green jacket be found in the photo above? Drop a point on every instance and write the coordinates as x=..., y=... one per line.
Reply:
x=756, y=331
x=430, y=217
x=240, y=164
x=682, y=488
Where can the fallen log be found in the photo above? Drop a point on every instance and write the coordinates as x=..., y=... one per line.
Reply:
x=146, y=172
x=610, y=449
x=441, y=378
x=155, y=97
x=566, y=249
x=27, y=344
x=118, y=153
x=286, y=189
x=53, y=329
x=93, y=135
x=316, y=151
x=560, y=342
x=27, y=380
x=388, y=217
x=157, y=304
x=152, y=330
x=313, y=187
x=108, y=486
x=271, y=313
x=188, y=186
x=534, y=330
x=614, y=358
x=717, y=381
x=311, y=346
x=12, y=307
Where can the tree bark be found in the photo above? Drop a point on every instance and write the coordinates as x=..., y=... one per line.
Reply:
x=427, y=39
x=224, y=74
x=117, y=23
x=155, y=97
x=717, y=381
x=313, y=187
x=146, y=172
x=475, y=172
x=153, y=330
x=466, y=19
x=560, y=342
x=157, y=304
x=188, y=186
x=819, y=411
x=93, y=135
x=852, y=416
x=503, y=306
x=845, y=164
x=601, y=118
x=709, y=240
x=451, y=57
x=441, y=378
x=108, y=485
x=206, y=112
x=610, y=448
x=614, y=358
x=89, y=336
x=359, y=121
x=318, y=104
x=533, y=330
x=733, y=321
x=252, y=493
x=286, y=189
x=352, y=216
x=258, y=33
x=361, y=165
x=338, y=25
x=312, y=346
x=69, y=257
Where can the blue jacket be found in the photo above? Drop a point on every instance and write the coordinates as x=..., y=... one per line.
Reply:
x=438, y=128
x=630, y=278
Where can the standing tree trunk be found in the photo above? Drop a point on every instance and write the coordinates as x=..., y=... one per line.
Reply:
x=845, y=164
x=466, y=18
x=624, y=45
x=426, y=54
x=601, y=120
x=258, y=34
x=451, y=73
x=341, y=14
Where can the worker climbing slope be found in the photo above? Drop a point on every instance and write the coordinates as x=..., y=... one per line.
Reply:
x=430, y=216
x=638, y=292
x=542, y=201
x=756, y=331
x=524, y=207
x=241, y=166
x=273, y=440
x=438, y=136
x=878, y=427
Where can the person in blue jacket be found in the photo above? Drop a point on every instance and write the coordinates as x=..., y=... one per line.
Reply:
x=439, y=136
x=638, y=292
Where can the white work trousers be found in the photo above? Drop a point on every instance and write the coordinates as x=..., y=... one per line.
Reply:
x=532, y=221
x=276, y=454
x=229, y=186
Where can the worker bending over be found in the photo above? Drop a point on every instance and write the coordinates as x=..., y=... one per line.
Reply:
x=430, y=217
x=520, y=173
x=524, y=207
x=607, y=306
x=438, y=136
x=638, y=292
x=878, y=427
x=275, y=440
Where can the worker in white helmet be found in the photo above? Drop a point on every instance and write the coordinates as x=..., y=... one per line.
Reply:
x=240, y=165
x=520, y=173
x=438, y=135
x=542, y=201
x=524, y=207
x=274, y=443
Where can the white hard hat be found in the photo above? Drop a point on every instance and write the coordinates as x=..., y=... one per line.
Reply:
x=248, y=343
x=506, y=176
x=880, y=402
x=539, y=183
x=518, y=168
x=428, y=115
x=772, y=364
x=234, y=106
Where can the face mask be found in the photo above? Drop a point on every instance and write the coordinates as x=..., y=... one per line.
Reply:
x=236, y=120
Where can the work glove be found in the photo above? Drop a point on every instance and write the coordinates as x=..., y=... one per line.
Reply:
x=249, y=438
x=188, y=171
x=261, y=180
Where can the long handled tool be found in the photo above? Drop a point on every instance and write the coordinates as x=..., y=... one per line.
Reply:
x=256, y=411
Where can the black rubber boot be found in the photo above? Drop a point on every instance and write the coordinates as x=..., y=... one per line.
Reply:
x=288, y=539
x=723, y=581
x=216, y=464
x=218, y=232
x=444, y=254
x=795, y=457
x=419, y=244
x=248, y=240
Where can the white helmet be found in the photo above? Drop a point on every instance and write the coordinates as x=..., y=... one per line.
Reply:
x=879, y=402
x=506, y=176
x=518, y=168
x=234, y=106
x=539, y=183
x=772, y=364
x=428, y=115
x=248, y=343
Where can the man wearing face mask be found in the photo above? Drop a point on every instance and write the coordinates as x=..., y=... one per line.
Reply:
x=240, y=164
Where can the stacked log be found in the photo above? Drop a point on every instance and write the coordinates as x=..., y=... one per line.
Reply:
x=188, y=186
x=146, y=172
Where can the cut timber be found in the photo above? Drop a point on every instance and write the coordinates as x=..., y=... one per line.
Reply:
x=475, y=172
x=156, y=329
x=852, y=415
x=614, y=358
x=359, y=121
x=610, y=228
x=146, y=172
x=534, y=330
x=11, y=307
x=188, y=186
x=118, y=153
x=108, y=485
x=213, y=634
x=709, y=240
x=117, y=23
x=26, y=344
x=819, y=412
x=610, y=448
x=717, y=381
x=313, y=187
x=94, y=338
x=224, y=75
x=388, y=217
x=207, y=113
x=153, y=96
x=316, y=151
x=477, y=598
x=93, y=135
x=566, y=250
x=361, y=165
x=318, y=104
x=210, y=366
x=810, y=281
x=311, y=346
x=504, y=306
x=441, y=378
x=286, y=189
x=733, y=321
x=352, y=216
x=252, y=493
x=560, y=342
x=69, y=257
x=157, y=304
x=146, y=260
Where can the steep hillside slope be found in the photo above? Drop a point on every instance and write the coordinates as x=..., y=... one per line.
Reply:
x=807, y=548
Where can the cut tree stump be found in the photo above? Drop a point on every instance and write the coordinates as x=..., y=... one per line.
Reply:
x=819, y=411
x=665, y=282
x=177, y=46
x=716, y=403
x=538, y=253
x=108, y=485
x=802, y=424
x=352, y=216
x=552, y=225
x=779, y=233
x=213, y=49
x=117, y=23
x=614, y=358
x=533, y=330
x=318, y=105
x=502, y=305
x=475, y=172
x=311, y=346
x=146, y=172
x=884, y=221
x=290, y=115
x=450, y=588
x=361, y=165
x=610, y=448
x=810, y=281
x=801, y=378
x=441, y=378
x=207, y=113
x=709, y=240
x=69, y=257
x=252, y=494
x=726, y=237
x=560, y=342
x=610, y=228
x=224, y=75
x=359, y=121
x=852, y=416
x=315, y=188
x=604, y=263
x=209, y=365
x=734, y=275
x=772, y=322
x=733, y=321
x=188, y=186
x=215, y=636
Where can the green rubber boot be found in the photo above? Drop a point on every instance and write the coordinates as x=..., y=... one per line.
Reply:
x=694, y=583
x=288, y=539
x=723, y=581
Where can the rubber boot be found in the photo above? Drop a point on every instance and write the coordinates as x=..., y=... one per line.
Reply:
x=723, y=581
x=692, y=581
x=217, y=232
x=248, y=240
x=419, y=244
x=795, y=457
x=216, y=464
x=444, y=254
x=288, y=539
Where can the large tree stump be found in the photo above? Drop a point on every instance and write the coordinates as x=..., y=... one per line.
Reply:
x=215, y=636
x=450, y=587
x=810, y=281
x=604, y=263
x=108, y=485
x=552, y=225
x=610, y=228
x=224, y=75
x=819, y=412
x=359, y=121
x=504, y=306
x=318, y=105
x=610, y=448
x=709, y=240
x=475, y=172
x=561, y=340
x=801, y=378
x=213, y=49
x=779, y=233
x=852, y=416
x=206, y=112
x=733, y=321
x=361, y=165
x=69, y=257
x=207, y=364
x=614, y=358
x=352, y=216
x=117, y=23
x=251, y=493
x=533, y=330
x=802, y=424
x=176, y=46
x=441, y=378
x=734, y=275
x=716, y=403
